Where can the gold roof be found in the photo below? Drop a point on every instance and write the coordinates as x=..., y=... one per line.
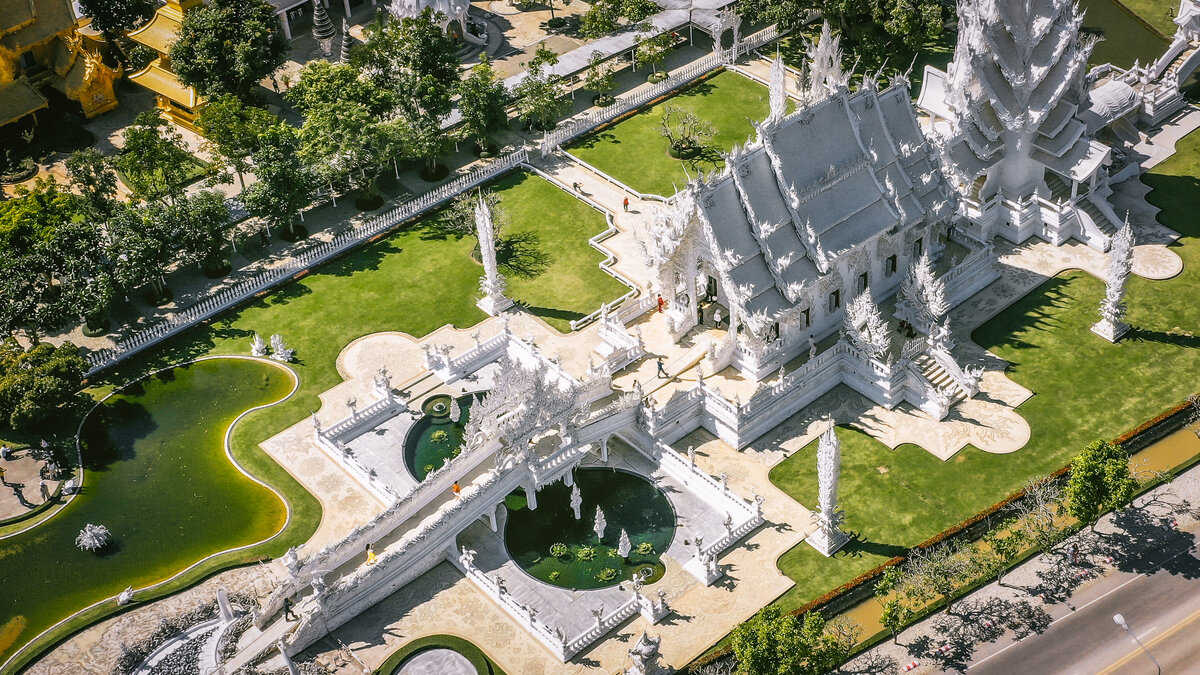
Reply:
x=25, y=23
x=158, y=34
x=17, y=99
x=162, y=81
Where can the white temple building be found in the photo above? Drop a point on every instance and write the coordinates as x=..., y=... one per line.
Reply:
x=1007, y=112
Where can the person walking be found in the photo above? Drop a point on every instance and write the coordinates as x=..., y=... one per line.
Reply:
x=287, y=610
x=456, y=490
x=3, y=481
x=370, y=554
x=660, y=303
x=576, y=188
x=662, y=372
x=717, y=318
x=625, y=204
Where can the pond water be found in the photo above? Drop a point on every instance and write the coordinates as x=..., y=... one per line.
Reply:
x=436, y=437
x=628, y=501
x=1124, y=37
x=158, y=478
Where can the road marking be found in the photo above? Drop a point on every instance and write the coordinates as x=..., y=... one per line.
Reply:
x=1128, y=657
x=1077, y=609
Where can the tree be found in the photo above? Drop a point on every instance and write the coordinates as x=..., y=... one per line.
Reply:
x=773, y=643
x=91, y=173
x=343, y=121
x=652, y=50
x=686, y=132
x=874, y=30
x=203, y=231
x=639, y=10
x=228, y=46
x=483, y=100
x=539, y=94
x=600, y=19
x=1007, y=541
x=231, y=131
x=284, y=183
x=940, y=569
x=114, y=17
x=1100, y=480
x=599, y=78
x=888, y=593
x=144, y=243
x=36, y=383
x=416, y=62
x=154, y=160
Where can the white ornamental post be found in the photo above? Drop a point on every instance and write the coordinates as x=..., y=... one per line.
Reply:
x=1112, y=324
x=828, y=537
x=492, y=283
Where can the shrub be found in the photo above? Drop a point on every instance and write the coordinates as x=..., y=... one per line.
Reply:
x=558, y=550
x=645, y=548
x=586, y=553
x=607, y=574
x=439, y=436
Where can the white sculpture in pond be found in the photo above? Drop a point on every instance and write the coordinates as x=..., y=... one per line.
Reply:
x=576, y=500
x=623, y=545
x=125, y=597
x=600, y=524
x=92, y=537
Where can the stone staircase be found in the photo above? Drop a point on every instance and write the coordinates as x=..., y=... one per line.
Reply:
x=938, y=377
x=1172, y=71
x=1062, y=191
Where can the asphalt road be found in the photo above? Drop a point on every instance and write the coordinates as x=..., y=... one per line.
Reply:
x=1160, y=600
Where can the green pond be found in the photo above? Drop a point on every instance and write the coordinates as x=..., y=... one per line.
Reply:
x=1124, y=37
x=628, y=502
x=436, y=437
x=158, y=478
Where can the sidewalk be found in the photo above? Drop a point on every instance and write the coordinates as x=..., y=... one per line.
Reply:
x=1048, y=588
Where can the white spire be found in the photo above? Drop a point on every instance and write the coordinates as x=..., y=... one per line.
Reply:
x=1112, y=308
x=923, y=294
x=828, y=536
x=778, y=91
x=492, y=283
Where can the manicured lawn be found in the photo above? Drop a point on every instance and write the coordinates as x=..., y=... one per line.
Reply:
x=1154, y=12
x=1085, y=389
x=1125, y=38
x=483, y=664
x=936, y=53
x=635, y=153
x=159, y=446
x=572, y=284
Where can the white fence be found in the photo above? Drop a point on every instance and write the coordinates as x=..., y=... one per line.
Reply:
x=262, y=282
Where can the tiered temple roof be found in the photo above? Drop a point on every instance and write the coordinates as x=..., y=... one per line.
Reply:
x=1014, y=88
x=812, y=186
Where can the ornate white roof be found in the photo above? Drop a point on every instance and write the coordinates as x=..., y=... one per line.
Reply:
x=810, y=188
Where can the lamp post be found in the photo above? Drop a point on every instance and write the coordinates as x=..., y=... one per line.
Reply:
x=1120, y=621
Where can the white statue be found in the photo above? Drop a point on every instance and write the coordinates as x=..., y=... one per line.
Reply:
x=383, y=382
x=828, y=537
x=1112, y=308
x=812, y=347
x=455, y=410
x=691, y=452
x=223, y=605
x=492, y=284
x=125, y=597
x=623, y=545
x=777, y=90
x=257, y=346
x=600, y=524
x=467, y=559
x=866, y=327
x=279, y=349
x=576, y=501
x=924, y=294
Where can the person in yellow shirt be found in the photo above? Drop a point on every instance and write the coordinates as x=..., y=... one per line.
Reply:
x=370, y=555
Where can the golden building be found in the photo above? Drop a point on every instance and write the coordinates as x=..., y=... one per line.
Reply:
x=178, y=101
x=42, y=43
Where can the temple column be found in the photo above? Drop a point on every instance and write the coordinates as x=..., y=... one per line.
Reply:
x=531, y=495
x=604, y=450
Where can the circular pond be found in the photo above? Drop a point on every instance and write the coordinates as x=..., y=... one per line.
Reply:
x=437, y=661
x=436, y=437
x=551, y=545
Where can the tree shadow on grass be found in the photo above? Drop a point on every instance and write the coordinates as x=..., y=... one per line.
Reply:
x=520, y=254
x=1144, y=335
x=859, y=545
x=592, y=140
x=362, y=259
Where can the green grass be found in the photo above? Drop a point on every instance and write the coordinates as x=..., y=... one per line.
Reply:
x=1085, y=388
x=936, y=52
x=159, y=445
x=572, y=285
x=1125, y=38
x=1154, y=12
x=413, y=281
x=635, y=153
x=483, y=664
